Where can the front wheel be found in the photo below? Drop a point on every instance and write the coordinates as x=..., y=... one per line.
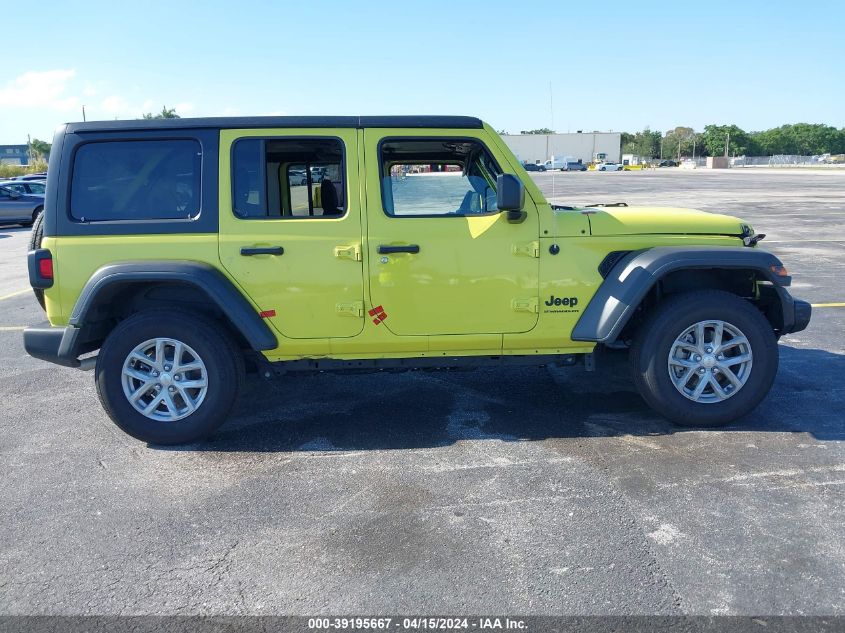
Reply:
x=168, y=376
x=704, y=358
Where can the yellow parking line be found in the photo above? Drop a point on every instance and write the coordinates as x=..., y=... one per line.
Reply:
x=12, y=328
x=828, y=305
x=17, y=293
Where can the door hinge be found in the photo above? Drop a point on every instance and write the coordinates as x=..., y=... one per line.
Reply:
x=526, y=305
x=354, y=309
x=531, y=249
x=348, y=252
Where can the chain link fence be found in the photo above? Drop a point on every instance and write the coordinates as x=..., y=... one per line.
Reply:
x=783, y=160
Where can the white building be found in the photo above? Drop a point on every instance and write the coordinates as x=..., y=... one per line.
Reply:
x=538, y=148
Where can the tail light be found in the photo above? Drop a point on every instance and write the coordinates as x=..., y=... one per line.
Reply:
x=40, y=264
x=45, y=268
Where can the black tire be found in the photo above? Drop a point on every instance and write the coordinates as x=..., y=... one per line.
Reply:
x=542, y=169
x=649, y=357
x=218, y=351
x=35, y=238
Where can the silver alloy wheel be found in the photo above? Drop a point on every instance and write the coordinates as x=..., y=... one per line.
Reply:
x=710, y=361
x=164, y=379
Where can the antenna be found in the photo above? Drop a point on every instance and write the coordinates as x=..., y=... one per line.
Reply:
x=552, y=129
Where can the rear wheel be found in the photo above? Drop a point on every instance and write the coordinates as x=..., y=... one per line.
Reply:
x=168, y=377
x=35, y=239
x=704, y=358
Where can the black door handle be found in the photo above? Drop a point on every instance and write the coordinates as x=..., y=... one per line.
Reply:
x=387, y=250
x=262, y=250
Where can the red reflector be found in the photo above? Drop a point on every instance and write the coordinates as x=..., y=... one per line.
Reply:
x=266, y=314
x=45, y=268
x=780, y=271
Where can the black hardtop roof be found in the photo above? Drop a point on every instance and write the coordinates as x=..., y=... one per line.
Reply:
x=280, y=122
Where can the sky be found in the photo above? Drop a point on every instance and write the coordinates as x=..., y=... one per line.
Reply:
x=568, y=65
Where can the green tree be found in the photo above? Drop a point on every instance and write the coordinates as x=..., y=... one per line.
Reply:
x=542, y=130
x=680, y=141
x=164, y=114
x=645, y=144
x=41, y=149
x=714, y=138
x=801, y=138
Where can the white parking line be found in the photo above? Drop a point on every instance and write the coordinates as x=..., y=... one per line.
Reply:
x=16, y=293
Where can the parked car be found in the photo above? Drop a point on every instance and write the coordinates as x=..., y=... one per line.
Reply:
x=35, y=187
x=557, y=163
x=576, y=166
x=609, y=167
x=42, y=175
x=533, y=167
x=249, y=276
x=19, y=208
x=667, y=163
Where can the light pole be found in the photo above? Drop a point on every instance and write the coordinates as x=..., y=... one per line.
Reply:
x=83, y=112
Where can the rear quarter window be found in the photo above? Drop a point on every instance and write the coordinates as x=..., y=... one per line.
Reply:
x=136, y=180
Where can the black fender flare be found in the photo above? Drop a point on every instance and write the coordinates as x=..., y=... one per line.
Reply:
x=208, y=279
x=635, y=275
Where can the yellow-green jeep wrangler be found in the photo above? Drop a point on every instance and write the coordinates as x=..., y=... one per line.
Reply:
x=183, y=251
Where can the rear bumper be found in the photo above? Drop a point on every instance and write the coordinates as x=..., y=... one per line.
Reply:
x=53, y=344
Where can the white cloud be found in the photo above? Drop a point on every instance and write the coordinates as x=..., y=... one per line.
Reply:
x=184, y=108
x=40, y=89
x=114, y=105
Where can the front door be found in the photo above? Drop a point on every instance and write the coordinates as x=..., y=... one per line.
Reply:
x=442, y=259
x=290, y=227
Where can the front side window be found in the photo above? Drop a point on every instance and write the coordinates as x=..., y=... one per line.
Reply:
x=437, y=177
x=36, y=187
x=136, y=180
x=288, y=178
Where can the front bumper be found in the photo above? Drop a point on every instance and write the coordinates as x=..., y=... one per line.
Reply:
x=801, y=314
x=54, y=344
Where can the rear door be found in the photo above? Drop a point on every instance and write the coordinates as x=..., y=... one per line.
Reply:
x=290, y=227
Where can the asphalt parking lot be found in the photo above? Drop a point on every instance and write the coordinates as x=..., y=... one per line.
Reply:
x=528, y=491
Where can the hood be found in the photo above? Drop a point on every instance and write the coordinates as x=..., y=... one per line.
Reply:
x=661, y=220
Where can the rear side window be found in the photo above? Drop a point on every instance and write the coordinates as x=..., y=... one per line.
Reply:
x=136, y=180
x=288, y=178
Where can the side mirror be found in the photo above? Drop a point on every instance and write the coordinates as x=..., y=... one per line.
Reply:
x=14, y=195
x=510, y=197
